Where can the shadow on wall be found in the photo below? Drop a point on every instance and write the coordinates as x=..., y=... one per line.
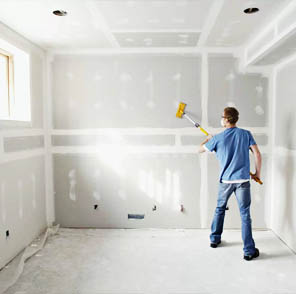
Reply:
x=131, y=184
x=287, y=171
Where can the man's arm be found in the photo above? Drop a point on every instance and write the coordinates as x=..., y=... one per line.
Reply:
x=258, y=161
x=201, y=147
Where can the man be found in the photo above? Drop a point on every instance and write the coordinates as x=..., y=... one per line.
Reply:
x=232, y=150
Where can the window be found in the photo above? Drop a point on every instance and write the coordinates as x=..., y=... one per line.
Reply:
x=15, y=85
x=6, y=84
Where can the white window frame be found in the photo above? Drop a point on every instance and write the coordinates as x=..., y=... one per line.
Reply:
x=20, y=88
x=10, y=80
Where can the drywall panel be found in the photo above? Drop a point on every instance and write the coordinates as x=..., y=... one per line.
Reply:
x=22, y=205
x=88, y=140
x=192, y=140
x=153, y=185
x=157, y=15
x=284, y=212
x=234, y=28
x=37, y=70
x=261, y=139
x=151, y=39
x=12, y=144
x=124, y=91
x=259, y=205
x=227, y=87
x=83, y=26
x=22, y=184
x=286, y=107
x=284, y=187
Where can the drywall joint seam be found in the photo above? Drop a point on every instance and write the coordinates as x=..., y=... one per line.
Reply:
x=9, y=279
x=47, y=122
x=158, y=51
x=204, y=157
x=270, y=146
x=178, y=140
x=204, y=90
x=100, y=23
x=272, y=142
x=147, y=30
x=124, y=149
x=215, y=10
x=151, y=131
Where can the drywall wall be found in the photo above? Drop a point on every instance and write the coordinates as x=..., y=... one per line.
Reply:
x=117, y=143
x=284, y=155
x=228, y=87
x=123, y=92
x=22, y=204
x=155, y=185
x=22, y=163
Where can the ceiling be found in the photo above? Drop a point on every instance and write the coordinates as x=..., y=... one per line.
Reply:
x=137, y=23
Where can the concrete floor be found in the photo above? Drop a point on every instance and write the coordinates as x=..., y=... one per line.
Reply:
x=160, y=261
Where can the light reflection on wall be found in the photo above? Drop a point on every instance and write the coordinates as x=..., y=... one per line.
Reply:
x=168, y=191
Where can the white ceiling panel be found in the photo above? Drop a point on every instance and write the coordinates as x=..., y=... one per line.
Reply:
x=155, y=15
x=137, y=23
x=34, y=20
x=233, y=27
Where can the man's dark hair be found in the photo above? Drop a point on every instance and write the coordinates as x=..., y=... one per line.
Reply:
x=231, y=114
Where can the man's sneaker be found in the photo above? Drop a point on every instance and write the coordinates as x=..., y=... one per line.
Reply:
x=250, y=257
x=215, y=245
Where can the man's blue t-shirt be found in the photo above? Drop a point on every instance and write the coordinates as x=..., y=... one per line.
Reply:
x=232, y=151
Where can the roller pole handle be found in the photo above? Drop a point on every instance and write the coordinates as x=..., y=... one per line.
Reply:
x=195, y=123
x=204, y=131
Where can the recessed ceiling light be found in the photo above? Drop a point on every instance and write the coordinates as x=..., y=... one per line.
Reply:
x=60, y=12
x=251, y=10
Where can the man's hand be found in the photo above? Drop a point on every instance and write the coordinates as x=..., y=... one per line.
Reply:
x=209, y=137
x=201, y=148
x=255, y=176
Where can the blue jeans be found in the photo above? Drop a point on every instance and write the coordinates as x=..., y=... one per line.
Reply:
x=243, y=196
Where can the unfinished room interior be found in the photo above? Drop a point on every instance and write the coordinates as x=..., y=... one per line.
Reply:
x=147, y=147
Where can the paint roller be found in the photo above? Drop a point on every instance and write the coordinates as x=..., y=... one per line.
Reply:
x=181, y=113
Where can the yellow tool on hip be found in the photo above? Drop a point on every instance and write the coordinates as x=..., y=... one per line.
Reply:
x=181, y=113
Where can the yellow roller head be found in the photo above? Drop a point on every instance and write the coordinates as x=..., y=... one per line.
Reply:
x=181, y=109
